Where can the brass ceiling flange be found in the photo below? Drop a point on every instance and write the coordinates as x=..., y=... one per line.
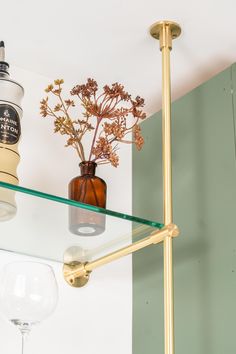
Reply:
x=155, y=29
x=75, y=274
x=165, y=31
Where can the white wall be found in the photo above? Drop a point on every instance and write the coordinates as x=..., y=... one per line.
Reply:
x=97, y=318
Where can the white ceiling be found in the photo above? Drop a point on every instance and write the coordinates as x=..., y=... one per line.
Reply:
x=109, y=41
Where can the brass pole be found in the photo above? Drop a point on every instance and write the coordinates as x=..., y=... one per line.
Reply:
x=77, y=274
x=154, y=238
x=165, y=31
x=167, y=189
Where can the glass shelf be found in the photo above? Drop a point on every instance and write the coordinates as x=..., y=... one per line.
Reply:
x=37, y=224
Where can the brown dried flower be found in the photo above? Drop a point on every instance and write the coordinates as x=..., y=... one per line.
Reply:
x=103, y=114
x=59, y=82
x=49, y=88
x=138, y=139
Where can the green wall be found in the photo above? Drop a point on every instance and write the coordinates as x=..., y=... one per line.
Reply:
x=204, y=194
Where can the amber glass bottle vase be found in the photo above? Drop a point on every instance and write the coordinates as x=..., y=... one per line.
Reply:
x=89, y=189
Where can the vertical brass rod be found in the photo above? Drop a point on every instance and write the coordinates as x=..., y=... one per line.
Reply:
x=165, y=43
x=165, y=31
x=166, y=136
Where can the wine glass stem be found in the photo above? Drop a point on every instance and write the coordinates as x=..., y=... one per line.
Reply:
x=23, y=340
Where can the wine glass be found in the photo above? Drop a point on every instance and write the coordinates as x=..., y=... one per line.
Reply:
x=28, y=294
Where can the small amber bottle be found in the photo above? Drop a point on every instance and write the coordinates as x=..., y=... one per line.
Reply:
x=88, y=189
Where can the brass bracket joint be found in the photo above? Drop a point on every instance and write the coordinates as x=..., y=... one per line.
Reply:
x=75, y=274
x=170, y=230
x=173, y=230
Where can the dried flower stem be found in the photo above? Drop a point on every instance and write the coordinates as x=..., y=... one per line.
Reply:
x=79, y=147
x=94, y=137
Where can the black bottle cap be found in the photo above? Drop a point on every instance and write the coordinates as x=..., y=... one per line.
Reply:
x=3, y=65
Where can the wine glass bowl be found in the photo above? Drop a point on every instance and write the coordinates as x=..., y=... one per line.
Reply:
x=28, y=294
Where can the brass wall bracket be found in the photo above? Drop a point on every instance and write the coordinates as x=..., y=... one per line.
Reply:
x=77, y=273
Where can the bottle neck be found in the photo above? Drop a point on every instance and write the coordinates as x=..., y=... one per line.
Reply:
x=87, y=168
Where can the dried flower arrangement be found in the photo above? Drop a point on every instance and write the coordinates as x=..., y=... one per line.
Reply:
x=106, y=115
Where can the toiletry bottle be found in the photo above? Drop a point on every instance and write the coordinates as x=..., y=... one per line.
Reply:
x=11, y=94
